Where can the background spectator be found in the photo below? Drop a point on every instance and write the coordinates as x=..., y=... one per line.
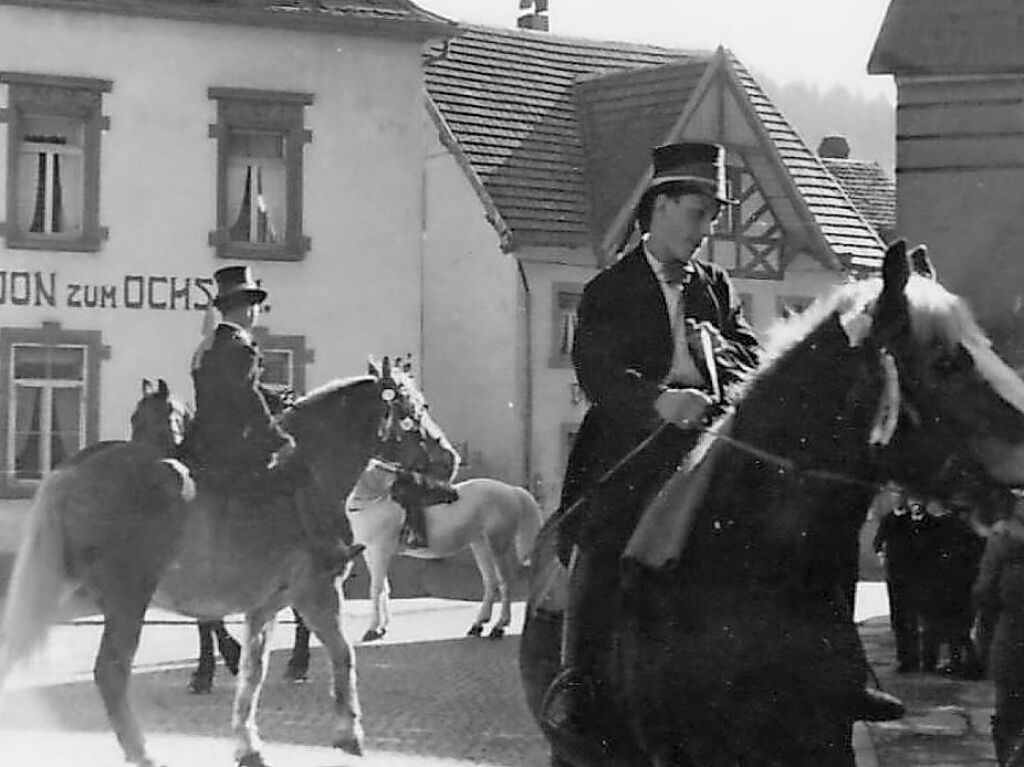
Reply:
x=900, y=543
x=953, y=551
x=999, y=596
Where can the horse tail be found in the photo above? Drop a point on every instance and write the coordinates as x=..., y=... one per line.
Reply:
x=530, y=520
x=39, y=583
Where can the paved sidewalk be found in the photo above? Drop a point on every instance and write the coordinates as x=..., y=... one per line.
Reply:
x=947, y=720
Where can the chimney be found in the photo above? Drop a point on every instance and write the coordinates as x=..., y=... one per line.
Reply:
x=836, y=147
x=536, y=16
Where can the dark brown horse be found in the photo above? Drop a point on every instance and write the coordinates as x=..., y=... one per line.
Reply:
x=121, y=527
x=728, y=639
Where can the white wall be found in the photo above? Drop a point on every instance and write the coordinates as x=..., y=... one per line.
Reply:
x=354, y=293
x=473, y=314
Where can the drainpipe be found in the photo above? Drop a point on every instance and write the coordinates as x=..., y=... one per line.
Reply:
x=528, y=389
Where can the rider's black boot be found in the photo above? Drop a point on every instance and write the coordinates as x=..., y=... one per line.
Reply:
x=570, y=705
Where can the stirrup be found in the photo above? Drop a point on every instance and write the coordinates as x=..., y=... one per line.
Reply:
x=568, y=683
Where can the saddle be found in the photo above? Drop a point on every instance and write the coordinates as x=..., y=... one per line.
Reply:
x=414, y=492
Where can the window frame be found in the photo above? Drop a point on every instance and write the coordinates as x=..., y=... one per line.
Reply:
x=301, y=355
x=563, y=296
x=48, y=335
x=277, y=112
x=75, y=98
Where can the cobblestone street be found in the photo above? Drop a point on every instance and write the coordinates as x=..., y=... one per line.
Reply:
x=440, y=700
x=430, y=696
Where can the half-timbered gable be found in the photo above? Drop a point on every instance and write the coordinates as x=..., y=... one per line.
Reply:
x=553, y=138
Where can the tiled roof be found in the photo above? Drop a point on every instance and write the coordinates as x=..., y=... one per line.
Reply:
x=842, y=225
x=950, y=37
x=398, y=10
x=624, y=114
x=509, y=98
x=357, y=15
x=559, y=130
x=869, y=188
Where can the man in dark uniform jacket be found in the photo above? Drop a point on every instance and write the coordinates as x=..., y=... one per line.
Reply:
x=639, y=356
x=235, y=438
x=899, y=543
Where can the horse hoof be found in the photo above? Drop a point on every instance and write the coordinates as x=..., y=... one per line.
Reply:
x=497, y=633
x=200, y=684
x=475, y=630
x=349, y=746
x=373, y=634
x=296, y=673
x=254, y=759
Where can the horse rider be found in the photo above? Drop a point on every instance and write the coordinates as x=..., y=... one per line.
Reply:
x=661, y=346
x=428, y=483
x=235, y=439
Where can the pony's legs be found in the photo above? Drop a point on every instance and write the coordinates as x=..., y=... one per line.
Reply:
x=320, y=608
x=505, y=562
x=113, y=669
x=202, y=678
x=297, y=669
x=230, y=649
x=255, y=658
x=378, y=558
x=485, y=562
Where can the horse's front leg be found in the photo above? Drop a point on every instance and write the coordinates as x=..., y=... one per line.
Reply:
x=485, y=562
x=255, y=659
x=297, y=669
x=320, y=607
x=378, y=559
x=113, y=669
x=202, y=678
x=230, y=649
x=505, y=572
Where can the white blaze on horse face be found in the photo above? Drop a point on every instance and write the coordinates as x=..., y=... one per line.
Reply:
x=887, y=417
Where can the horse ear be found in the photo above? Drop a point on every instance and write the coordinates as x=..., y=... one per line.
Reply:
x=921, y=263
x=892, y=303
x=161, y=388
x=147, y=387
x=372, y=367
x=385, y=367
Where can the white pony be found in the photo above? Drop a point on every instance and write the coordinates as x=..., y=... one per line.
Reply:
x=497, y=521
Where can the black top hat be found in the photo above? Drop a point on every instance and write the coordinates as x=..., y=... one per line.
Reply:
x=690, y=166
x=236, y=284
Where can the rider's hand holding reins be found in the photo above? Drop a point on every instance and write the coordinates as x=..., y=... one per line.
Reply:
x=685, y=408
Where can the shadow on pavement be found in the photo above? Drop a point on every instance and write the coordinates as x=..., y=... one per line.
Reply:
x=455, y=699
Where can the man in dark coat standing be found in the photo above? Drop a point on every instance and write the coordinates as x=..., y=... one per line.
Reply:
x=235, y=439
x=661, y=347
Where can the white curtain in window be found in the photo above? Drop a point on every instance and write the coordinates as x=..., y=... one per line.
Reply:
x=51, y=181
x=256, y=187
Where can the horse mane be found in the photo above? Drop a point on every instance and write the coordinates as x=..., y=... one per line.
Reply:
x=936, y=315
x=330, y=390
